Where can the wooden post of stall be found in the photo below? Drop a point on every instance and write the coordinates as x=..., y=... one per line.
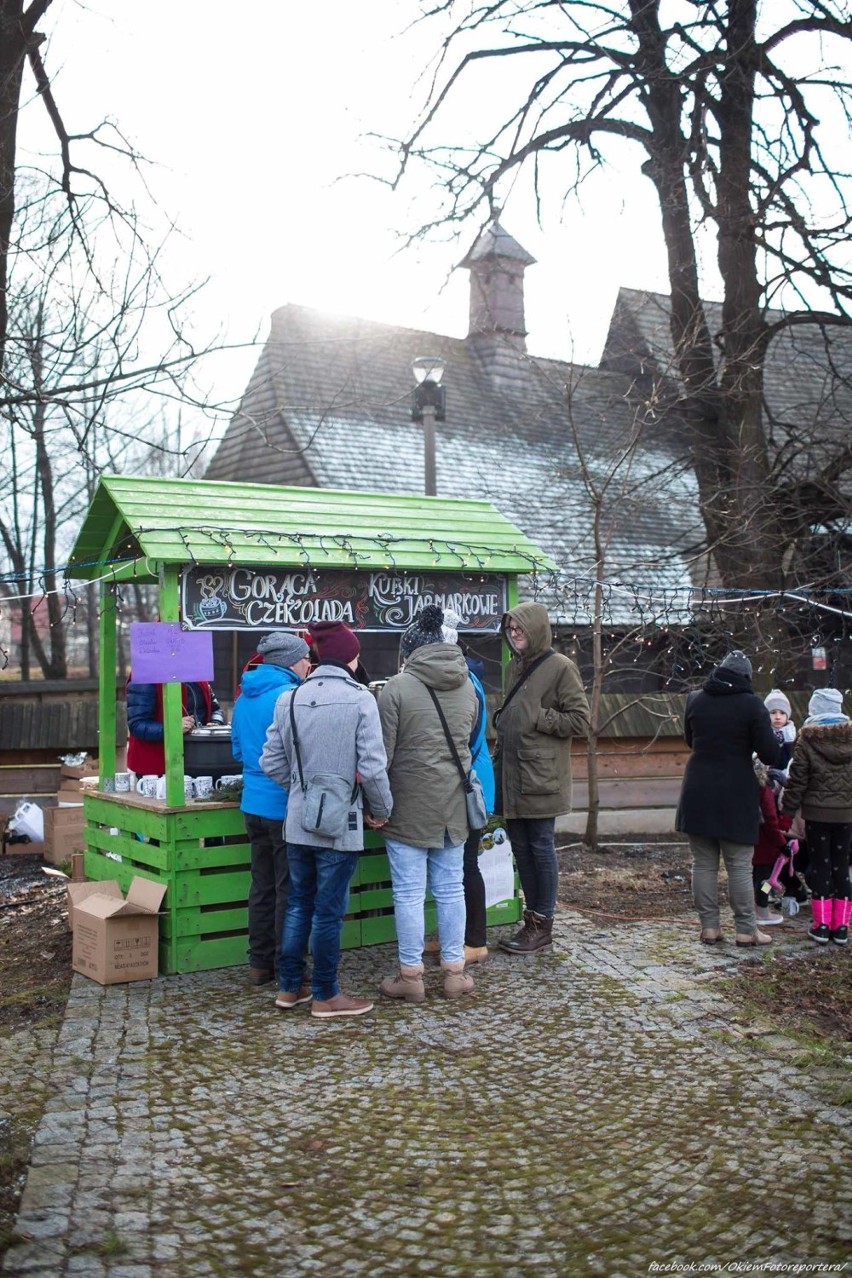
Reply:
x=172, y=697
x=106, y=673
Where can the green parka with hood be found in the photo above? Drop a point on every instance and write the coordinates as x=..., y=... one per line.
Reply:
x=428, y=798
x=534, y=731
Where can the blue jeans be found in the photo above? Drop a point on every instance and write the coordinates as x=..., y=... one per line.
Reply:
x=533, y=842
x=317, y=902
x=411, y=869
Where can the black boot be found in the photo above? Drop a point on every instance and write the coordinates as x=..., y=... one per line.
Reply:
x=534, y=935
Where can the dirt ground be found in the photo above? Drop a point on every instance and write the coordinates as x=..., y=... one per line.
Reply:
x=808, y=993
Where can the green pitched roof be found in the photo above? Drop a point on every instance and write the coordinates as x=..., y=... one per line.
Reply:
x=177, y=521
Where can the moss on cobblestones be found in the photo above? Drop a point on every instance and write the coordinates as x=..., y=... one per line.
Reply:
x=584, y=1113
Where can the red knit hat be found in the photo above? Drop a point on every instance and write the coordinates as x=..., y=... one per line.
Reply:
x=333, y=641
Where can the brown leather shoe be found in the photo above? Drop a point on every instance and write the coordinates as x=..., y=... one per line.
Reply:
x=340, y=1005
x=752, y=938
x=261, y=975
x=288, y=999
x=534, y=935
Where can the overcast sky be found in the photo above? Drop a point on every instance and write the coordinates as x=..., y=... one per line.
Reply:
x=253, y=126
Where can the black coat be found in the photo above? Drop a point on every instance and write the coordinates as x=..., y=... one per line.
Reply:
x=724, y=724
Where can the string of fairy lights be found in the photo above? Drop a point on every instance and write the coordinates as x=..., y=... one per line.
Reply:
x=680, y=626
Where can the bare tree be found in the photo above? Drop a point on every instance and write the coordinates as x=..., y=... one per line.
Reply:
x=738, y=115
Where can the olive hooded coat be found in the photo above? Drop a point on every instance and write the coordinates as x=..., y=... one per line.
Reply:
x=534, y=730
x=428, y=798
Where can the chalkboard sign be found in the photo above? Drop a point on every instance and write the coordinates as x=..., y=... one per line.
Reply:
x=162, y=652
x=239, y=598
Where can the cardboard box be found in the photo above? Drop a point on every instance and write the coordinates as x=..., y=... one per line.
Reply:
x=115, y=939
x=73, y=772
x=63, y=832
x=78, y=892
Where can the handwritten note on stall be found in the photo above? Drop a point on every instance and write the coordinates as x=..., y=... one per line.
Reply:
x=160, y=652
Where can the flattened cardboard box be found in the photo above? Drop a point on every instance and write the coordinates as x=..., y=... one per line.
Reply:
x=115, y=939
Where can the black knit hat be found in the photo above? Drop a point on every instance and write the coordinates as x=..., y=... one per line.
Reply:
x=426, y=629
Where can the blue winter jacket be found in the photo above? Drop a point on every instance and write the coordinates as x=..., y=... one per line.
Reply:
x=254, y=711
x=479, y=752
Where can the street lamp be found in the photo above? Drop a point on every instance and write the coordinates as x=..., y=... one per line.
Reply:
x=428, y=403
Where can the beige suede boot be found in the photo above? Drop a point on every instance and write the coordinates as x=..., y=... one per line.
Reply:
x=407, y=986
x=455, y=981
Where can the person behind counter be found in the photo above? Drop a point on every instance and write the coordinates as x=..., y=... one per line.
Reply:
x=145, y=752
x=285, y=662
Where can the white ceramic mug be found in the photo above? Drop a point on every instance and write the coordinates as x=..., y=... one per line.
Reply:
x=226, y=781
x=203, y=787
x=147, y=785
x=122, y=782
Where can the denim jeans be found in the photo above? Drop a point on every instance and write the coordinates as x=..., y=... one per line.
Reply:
x=474, y=893
x=533, y=842
x=705, y=881
x=319, y=897
x=267, y=901
x=411, y=869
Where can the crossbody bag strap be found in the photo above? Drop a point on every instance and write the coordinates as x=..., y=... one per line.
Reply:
x=495, y=718
x=299, y=753
x=465, y=779
x=296, y=738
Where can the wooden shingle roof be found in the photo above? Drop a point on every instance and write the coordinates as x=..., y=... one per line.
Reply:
x=329, y=405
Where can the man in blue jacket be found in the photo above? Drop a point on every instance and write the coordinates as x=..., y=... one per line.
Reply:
x=264, y=801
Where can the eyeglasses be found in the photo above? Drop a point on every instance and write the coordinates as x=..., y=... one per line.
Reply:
x=514, y=630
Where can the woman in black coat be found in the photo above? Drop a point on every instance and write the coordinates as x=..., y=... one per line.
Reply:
x=724, y=725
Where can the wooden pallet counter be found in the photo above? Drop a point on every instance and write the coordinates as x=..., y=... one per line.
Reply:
x=253, y=557
x=200, y=852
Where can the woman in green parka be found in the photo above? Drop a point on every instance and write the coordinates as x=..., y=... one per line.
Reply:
x=544, y=706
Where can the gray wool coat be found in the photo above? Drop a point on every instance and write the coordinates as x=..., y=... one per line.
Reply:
x=428, y=798
x=337, y=723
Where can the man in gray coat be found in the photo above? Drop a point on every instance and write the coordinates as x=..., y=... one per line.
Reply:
x=338, y=733
x=425, y=837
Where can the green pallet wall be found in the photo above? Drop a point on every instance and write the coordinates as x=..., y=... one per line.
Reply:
x=204, y=858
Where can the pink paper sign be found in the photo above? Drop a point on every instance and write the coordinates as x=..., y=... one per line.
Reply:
x=160, y=652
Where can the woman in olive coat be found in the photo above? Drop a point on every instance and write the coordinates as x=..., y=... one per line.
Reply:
x=725, y=723
x=535, y=726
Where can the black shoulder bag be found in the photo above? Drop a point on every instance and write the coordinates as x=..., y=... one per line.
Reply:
x=328, y=797
x=477, y=813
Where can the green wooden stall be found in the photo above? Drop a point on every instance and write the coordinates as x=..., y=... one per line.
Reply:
x=237, y=556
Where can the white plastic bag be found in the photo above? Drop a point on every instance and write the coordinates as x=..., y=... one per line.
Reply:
x=29, y=820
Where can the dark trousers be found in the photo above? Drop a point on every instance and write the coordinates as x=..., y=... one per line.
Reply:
x=267, y=903
x=533, y=842
x=828, y=849
x=474, y=893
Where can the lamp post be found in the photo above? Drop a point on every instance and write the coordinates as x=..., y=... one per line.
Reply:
x=428, y=403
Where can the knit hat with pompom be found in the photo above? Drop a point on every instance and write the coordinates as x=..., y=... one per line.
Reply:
x=427, y=628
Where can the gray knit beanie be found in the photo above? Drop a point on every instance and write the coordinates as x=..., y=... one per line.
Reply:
x=825, y=701
x=426, y=629
x=282, y=649
x=738, y=662
x=775, y=700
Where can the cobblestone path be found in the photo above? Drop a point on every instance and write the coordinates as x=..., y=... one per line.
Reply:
x=599, y=1111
